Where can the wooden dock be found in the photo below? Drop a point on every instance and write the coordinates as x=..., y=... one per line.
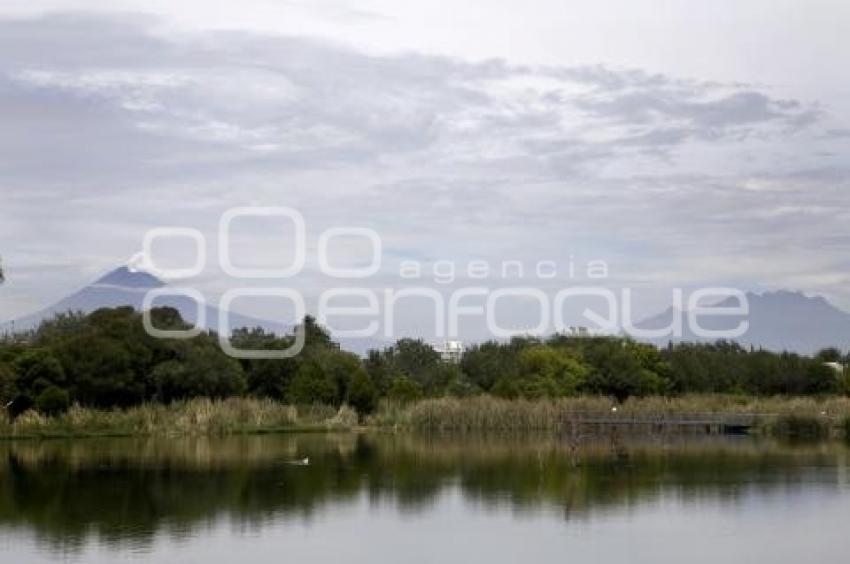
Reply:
x=713, y=423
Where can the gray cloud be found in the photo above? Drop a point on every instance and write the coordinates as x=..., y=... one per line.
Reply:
x=839, y=133
x=108, y=120
x=244, y=99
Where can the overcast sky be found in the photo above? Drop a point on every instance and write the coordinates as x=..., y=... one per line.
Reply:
x=684, y=143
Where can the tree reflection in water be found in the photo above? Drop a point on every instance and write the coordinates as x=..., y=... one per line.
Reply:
x=125, y=491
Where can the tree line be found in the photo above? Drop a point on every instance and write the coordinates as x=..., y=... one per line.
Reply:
x=106, y=359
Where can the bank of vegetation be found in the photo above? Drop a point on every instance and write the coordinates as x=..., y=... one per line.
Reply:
x=100, y=372
x=572, y=418
x=790, y=417
x=199, y=416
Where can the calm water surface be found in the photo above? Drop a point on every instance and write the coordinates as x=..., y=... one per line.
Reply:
x=401, y=498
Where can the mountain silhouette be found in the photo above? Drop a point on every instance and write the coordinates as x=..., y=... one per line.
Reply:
x=124, y=277
x=781, y=320
x=126, y=287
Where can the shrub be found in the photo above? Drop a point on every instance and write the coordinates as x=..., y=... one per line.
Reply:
x=794, y=426
x=52, y=401
x=404, y=389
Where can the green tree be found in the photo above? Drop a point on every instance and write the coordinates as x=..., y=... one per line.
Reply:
x=312, y=384
x=822, y=379
x=265, y=377
x=362, y=394
x=549, y=372
x=830, y=354
x=100, y=371
x=404, y=389
x=418, y=360
x=36, y=370
x=718, y=367
x=8, y=388
x=457, y=383
x=199, y=370
x=340, y=366
x=506, y=387
x=62, y=326
x=615, y=371
x=484, y=364
x=317, y=339
x=381, y=370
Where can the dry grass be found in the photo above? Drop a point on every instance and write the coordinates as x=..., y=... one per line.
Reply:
x=492, y=414
x=197, y=416
x=484, y=413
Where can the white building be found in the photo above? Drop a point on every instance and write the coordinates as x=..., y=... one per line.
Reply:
x=452, y=351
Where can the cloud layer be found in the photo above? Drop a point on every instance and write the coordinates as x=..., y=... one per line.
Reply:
x=111, y=127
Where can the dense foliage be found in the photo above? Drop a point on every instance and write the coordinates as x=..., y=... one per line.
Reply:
x=106, y=359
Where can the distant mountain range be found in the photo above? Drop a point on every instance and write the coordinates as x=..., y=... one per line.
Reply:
x=123, y=287
x=778, y=321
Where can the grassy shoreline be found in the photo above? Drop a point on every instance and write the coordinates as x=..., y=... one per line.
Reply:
x=793, y=417
x=192, y=417
x=780, y=416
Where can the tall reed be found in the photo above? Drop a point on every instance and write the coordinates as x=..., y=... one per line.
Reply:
x=780, y=416
x=196, y=416
x=493, y=414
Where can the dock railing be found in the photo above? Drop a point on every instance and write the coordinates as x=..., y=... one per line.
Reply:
x=720, y=421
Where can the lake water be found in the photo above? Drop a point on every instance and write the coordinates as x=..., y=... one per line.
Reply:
x=398, y=498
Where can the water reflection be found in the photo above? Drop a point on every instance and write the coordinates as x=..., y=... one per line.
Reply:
x=125, y=492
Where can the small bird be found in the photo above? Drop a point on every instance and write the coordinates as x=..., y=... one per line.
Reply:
x=614, y=409
x=300, y=462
